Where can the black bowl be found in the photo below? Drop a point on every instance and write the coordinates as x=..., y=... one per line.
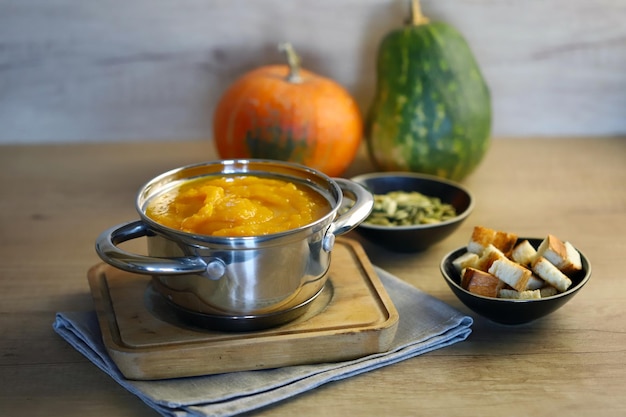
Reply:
x=511, y=311
x=419, y=237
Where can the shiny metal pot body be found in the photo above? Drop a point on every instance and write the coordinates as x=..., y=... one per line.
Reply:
x=236, y=276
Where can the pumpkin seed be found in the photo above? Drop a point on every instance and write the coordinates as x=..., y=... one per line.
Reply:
x=401, y=208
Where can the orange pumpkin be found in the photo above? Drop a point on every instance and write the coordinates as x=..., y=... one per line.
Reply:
x=286, y=113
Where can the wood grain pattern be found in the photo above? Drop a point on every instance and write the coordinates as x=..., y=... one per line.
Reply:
x=135, y=70
x=55, y=200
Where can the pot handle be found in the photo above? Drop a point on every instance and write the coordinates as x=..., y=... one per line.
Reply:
x=107, y=249
x=362, y=207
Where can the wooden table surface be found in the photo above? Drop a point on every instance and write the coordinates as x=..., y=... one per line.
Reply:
x=55, y=200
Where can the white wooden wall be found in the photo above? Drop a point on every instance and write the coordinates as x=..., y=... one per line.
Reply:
x=95, y=70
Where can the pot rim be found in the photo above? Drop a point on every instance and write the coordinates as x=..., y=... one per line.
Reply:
x=308, y=176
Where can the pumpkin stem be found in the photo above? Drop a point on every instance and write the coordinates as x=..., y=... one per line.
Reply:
x=293, y=60
x=417, y=18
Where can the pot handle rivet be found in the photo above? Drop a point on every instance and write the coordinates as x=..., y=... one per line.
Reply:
x=215, y=269
x=328, y=242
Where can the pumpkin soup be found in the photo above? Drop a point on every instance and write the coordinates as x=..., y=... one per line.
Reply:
x=237, y=206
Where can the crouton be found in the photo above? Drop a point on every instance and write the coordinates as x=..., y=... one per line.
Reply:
x=481, y=282
x=512, y=273
x=551, y=274
x=548, y=291
x=523, y=253
x=561, y=254
x=466, y=260
x=489, y=255
x=483, y=236
x=534, y=283
x=573, y=261
x=505, y=242
x=520, y=295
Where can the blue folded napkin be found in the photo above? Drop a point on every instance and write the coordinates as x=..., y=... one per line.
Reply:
x=425, y=324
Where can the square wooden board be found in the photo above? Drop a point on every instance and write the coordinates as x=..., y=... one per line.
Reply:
x=352, y=317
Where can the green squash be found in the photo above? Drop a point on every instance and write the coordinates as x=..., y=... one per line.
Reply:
x=432, y=108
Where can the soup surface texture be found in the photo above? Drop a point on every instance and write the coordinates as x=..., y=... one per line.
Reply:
x=237, y=206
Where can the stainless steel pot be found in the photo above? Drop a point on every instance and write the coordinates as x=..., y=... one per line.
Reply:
x=256, y=276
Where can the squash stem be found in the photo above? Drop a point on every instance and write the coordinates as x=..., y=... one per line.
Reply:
x=293, y=60
x=417, y=18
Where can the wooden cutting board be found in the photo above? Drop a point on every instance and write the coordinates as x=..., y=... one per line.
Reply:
x=351, y=318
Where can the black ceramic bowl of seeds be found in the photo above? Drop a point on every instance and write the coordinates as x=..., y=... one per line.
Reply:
x=412, y=211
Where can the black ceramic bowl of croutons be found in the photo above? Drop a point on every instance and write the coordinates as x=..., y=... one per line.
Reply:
x=413, y=211
x=512, y=311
